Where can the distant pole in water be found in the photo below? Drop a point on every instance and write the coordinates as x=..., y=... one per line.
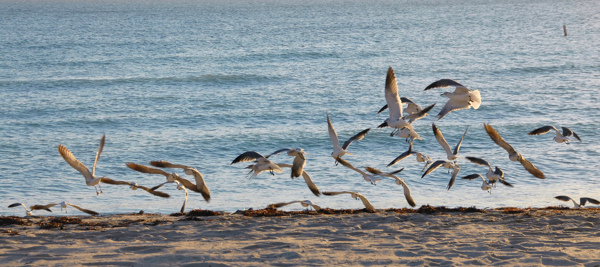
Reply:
x=565, y=29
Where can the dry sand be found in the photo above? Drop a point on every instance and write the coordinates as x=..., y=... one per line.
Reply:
x=525, y=237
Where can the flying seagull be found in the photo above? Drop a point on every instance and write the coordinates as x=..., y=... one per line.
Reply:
x=461, y=98
x=199, y=187
x=451, y=155
x=29, y=211
x=582, y=201
x=513, y=155
x=409, y=134
x=262, y=163
x=304, y=203
x=396, y=120
x=135, y=186
x=411, y=108
x=368, y=177
x=448, y=165
x=398, y=180
x=493, y=175
x=354, y=195
x=485, y=186
x=63, y=205
x=559, y=138
x=299, y=159
x=90, y=177
x=339, y=151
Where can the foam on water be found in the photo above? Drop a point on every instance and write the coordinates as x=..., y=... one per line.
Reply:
x=199, y=83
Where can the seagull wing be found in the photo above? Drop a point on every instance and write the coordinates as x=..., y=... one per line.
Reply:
x=472, y=176
x=200, y=186
x=356, y=137
x=185, y=201
x=460, y=142
x=100, y=147
x=452, y=105
x=247, y=156
x=531, y=168
x=281, y=204
x=440, y=138
x=478, y=161
x=279, y=152
x=115, y=182
x=419, y=115
x=159, y=186
x=146, y=169
x=391, y=95
x=401, y=157
x=433, y=166
x=298, y=166
x=333, y=135
x=543, y=130
x=563, y=198
x=348, y=165
x=407, y=194
x=166, y=164
x=455, y=172
x=76, y=164
x=154, y=192
x=498, y=139
x=91, y=212
x=443, y=83
x=366, y=202
x=312, y=186
x=584, y=200
x=568, y=132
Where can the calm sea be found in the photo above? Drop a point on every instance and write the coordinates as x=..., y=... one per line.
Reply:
x=200, y=82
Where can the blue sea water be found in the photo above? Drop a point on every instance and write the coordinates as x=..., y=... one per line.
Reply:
x=200, y=82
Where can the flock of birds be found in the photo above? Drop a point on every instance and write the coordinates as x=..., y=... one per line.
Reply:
x=400, y=120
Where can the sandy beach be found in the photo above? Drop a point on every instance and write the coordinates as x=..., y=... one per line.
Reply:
x=426, y=236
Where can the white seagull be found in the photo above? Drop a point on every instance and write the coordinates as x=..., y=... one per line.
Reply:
x=29, y=211
x=448, y=165
x=199, y=187
x=493, y=175
x=339, y=151
x=90, y=177
x=559, y=138
x=354, y=195
x=513, y=155
x=396, y=120
x=262, y=163
x=398, y=180
x=485, y=186
x=451, y=155
x=368, y=177
x=582, y=201
x=304, y=203
x=461, y=98
x=63, y=205
x=299, y=159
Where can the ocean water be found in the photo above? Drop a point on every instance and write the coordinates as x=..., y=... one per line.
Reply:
x=200, y=82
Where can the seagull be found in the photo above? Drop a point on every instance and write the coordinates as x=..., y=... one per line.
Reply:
x=90, y=178
x=339, y=151
x=299, y=159
x=582, y=201
x=409, y=134
x=312, y=186
x=559, y=138
x=199, y=187
x=461, y=98
x=368, y=177
x=396, y=120
x=451, y=155
x=485, y=186
x=492, y=175
x=63, y=205
x=399, y=181
x=29, y=211
x=423, y=158
x=354, y=195
x=448, y=165
x=135, y=186
x=262, y=163
x=305, y=203
x=513, y=155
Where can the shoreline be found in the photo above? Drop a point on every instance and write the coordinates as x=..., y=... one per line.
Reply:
x=554, y=236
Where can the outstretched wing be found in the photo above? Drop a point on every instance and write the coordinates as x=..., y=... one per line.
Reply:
x=76, y=164
x=391, y=95
x=443, y=83
x=543, y=130
x=356, y=137
x=146, y=169
x=440, y=138
x=91, y=212
x=531, y=168
x=460, y=142
x=247, y=156
x=495, y=136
